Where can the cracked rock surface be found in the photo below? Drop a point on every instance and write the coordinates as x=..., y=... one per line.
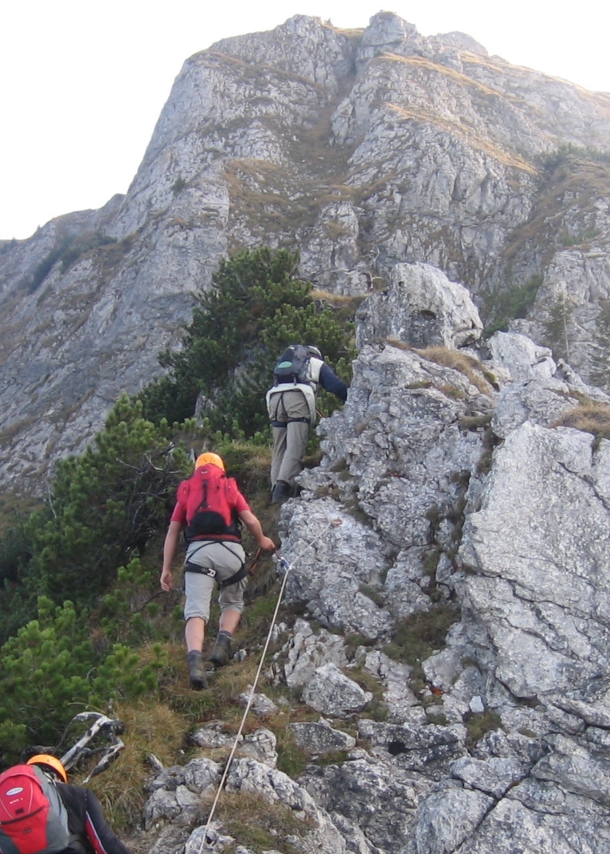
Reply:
x=449, y=562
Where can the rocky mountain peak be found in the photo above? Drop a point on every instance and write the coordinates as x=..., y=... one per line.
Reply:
x=448, y=557
x=462, y=41
x=367, y=149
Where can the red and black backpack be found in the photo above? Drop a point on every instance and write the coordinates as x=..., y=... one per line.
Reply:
x=210, y=498
x=33, y=818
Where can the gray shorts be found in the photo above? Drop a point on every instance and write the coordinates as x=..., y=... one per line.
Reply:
x=226, y=559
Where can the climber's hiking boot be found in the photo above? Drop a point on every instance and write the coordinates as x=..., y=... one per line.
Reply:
x=222, y=650
x=281, y=492
x=196, y=671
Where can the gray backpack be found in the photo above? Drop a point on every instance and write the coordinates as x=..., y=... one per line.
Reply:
x=292, y=365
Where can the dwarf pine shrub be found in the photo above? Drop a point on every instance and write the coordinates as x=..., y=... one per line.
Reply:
x=255, y=308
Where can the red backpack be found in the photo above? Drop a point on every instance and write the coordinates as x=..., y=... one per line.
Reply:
x=210, y=498
x=33, y=818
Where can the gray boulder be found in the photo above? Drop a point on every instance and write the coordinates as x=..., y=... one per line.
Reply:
x=319, y=738
x=260, y=745
x=331, y=692
x=306, y=651
x=319, y=834
x=448, y=817
x=416, y=748
x=421, y=308
x=379, y=795
x=520, y=358
x=260, y=704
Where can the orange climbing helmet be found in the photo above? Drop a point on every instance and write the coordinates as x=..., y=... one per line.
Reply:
x=51, y=762
x=209, y=459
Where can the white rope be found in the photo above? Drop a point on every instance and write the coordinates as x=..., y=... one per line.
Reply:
x=288, y=568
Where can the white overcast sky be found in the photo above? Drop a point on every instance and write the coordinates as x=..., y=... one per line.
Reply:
x=82, y=82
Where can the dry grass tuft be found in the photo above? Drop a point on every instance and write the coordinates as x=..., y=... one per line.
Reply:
x=462, y=362
x=230, y=682
x=417, y=637
x=351, y=33
x=590, y=417
x=336, y=300
x=396, y=342
x=451, y=391
x=149, y=728
x=460, y=131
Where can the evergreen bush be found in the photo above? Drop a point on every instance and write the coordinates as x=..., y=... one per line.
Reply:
x=103, y=506
x=557, y=328
x=510, y=302
x=255, y=308
x=51, y=670
x=600, y=361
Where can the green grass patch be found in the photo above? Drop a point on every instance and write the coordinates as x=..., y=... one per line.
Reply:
x=475, y=422
x=292, y=759
x=511, y=302
x=333, y=757
x=259, y=825
x=452, y=391
x=490, y=443
x=527, y=732
x=477, y=725
x=431, y=562
x=353, y=641
x=436, y=717
x=373, y=593
x=416, y=638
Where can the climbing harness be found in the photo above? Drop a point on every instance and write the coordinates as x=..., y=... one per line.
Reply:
x=189, y=566
x=275, y=416
x=283, y=569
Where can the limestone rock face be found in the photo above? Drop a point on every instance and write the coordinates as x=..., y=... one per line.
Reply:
x=314, y=829
x=506, y=532
x=550, y=570
x=306, y=651
x=449, y=561
x=421, y=307
x=521, y=359
x=369, y=150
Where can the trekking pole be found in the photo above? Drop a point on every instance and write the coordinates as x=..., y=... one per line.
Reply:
x=287, y=567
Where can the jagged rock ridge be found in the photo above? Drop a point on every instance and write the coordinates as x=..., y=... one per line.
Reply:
x=366, y=149
x=448, y=487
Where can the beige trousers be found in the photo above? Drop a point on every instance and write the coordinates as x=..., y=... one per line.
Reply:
x=290, y=440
